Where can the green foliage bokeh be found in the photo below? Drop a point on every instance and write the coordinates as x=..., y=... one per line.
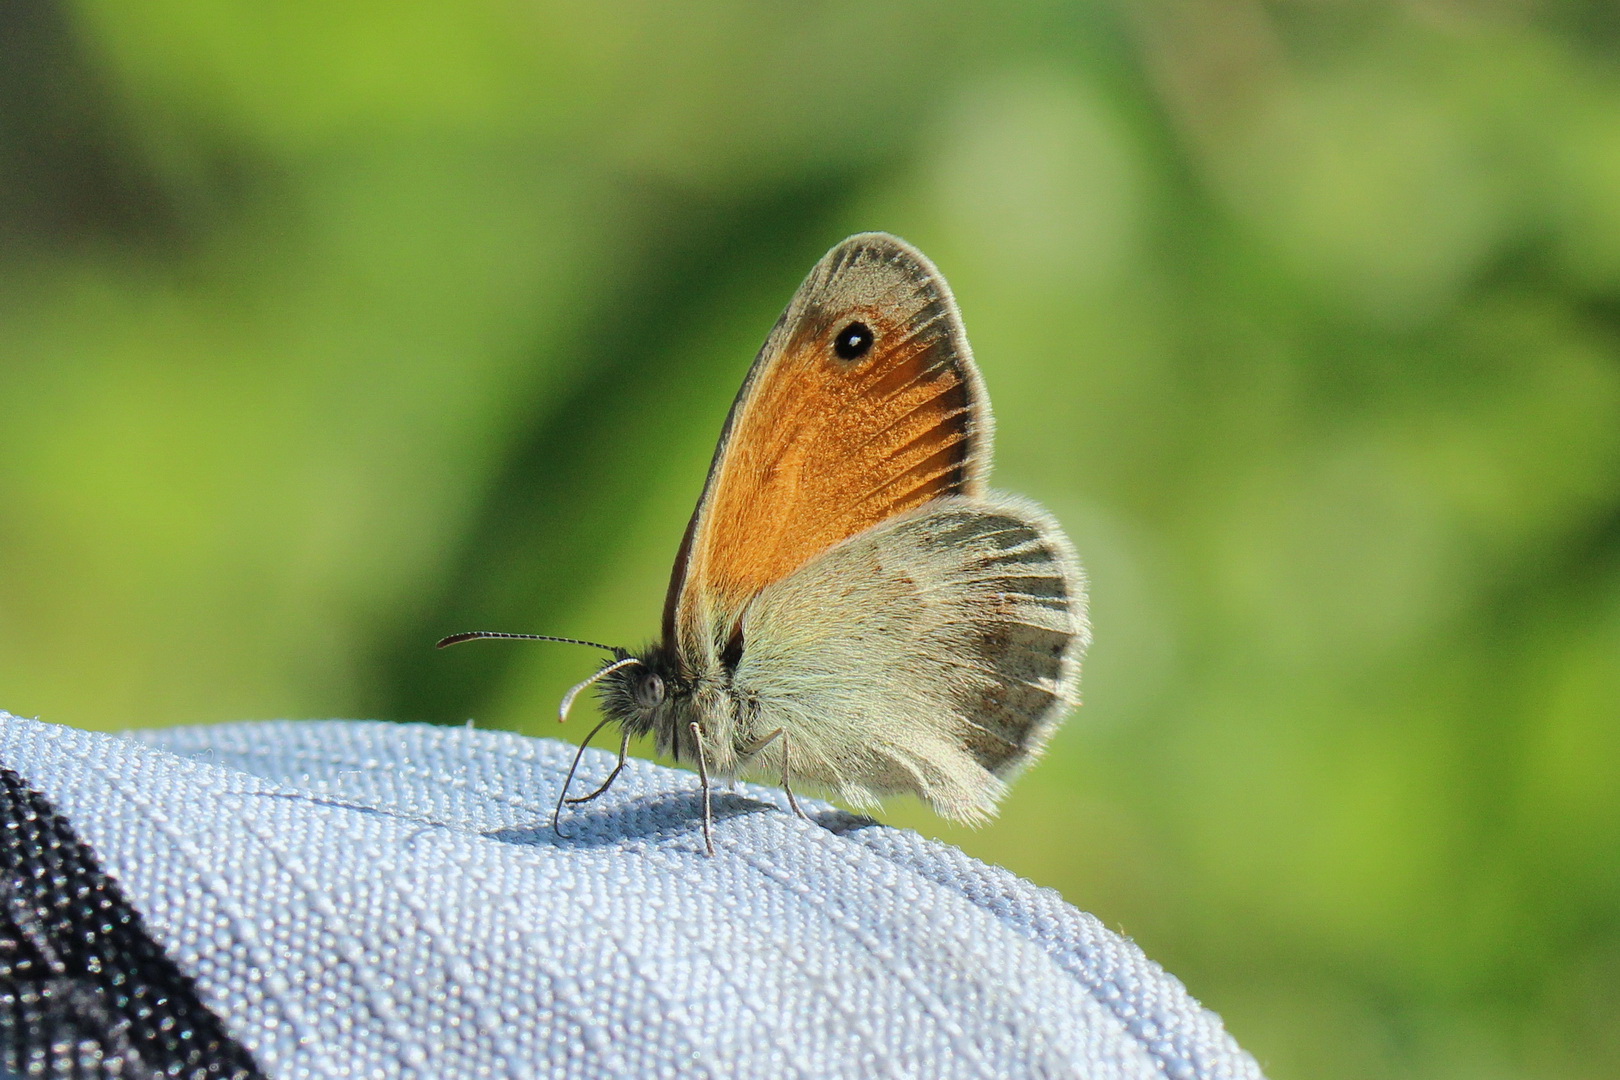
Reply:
x=329, y=329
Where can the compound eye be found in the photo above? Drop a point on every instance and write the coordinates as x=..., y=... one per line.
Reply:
x=650, y=691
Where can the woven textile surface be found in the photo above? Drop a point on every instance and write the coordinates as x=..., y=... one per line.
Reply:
x=380, y=900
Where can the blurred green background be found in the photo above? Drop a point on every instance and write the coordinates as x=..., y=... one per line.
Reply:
x=329, y=329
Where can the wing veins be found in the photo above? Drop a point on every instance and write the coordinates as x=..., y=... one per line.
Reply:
x=912, y=412
x=939, y=471
x=925, y=373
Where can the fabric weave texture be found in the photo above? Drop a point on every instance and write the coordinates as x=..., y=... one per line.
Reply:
x=382, y=900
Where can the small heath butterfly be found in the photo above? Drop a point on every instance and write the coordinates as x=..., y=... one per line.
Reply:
x=851, y=606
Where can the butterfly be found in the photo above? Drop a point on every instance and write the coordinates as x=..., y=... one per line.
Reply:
x=851, y=607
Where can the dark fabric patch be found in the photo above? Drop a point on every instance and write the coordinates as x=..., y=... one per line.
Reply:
x=85, y=993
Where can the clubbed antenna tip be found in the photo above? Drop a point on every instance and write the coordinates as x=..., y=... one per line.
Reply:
x=474, y=635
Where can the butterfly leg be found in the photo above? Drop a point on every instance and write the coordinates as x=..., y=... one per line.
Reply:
x=624, y=752
x=703, y=774
x=760, y=744
x=562, y=796
x=791, y=800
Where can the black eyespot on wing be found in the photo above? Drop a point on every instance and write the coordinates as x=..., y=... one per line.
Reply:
x=853, y=341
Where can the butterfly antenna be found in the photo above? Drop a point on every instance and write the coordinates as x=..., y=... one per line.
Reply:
x=568, y=698
x=474, y=635
x=562, y=714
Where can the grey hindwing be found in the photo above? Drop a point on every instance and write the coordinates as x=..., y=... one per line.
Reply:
x=934, y=653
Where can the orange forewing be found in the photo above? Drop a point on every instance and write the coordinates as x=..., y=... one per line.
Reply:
x=819, y=448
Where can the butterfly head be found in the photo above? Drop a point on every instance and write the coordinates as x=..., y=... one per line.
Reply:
x=642, y=694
